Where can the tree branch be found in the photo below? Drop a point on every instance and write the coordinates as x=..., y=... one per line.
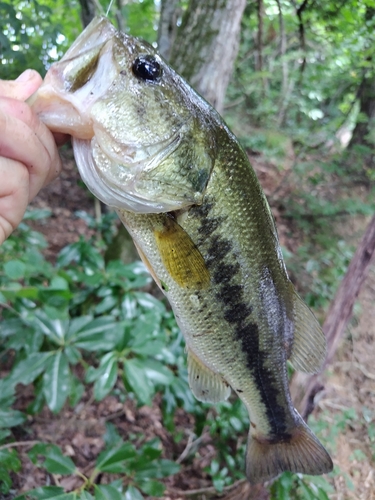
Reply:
x=304, y=387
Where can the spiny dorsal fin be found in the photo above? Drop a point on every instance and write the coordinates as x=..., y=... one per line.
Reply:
x=309, y=343
x=206, y=385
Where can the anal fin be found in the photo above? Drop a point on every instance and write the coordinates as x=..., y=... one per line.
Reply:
x=206, y=385
x=309, y=343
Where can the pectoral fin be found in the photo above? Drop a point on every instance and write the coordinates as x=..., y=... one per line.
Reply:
x=180, y=255
x=309, y=344
x=206, y=385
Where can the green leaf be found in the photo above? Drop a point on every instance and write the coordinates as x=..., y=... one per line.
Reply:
x=158, y=373
x=148, y=301
x=107, y=492
x=28, y=369
x=133, y=494
x=77, y=389
x=148, y=347
x=111, y=436
x=57, y=463
x=9, y=460
x=46, y=492
x=56, y=381
x=156, y=469
x=11, y=326
x=10, y=418
x=85, y=495
x=108, y=375
x=100, y=334
x=152, y=488
x=15, y=269
x=135, y=372
x=5, y=480
x=111, y=460
x=55, y=329
x=73, y=354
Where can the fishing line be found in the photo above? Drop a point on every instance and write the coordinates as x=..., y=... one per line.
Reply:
x=109, y=8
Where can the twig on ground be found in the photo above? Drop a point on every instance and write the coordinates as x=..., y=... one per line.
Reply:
x=17, y=444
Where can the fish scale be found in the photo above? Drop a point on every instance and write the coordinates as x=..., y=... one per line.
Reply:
x=146, y=144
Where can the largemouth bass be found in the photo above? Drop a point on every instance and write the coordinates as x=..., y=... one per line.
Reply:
x=148, y=145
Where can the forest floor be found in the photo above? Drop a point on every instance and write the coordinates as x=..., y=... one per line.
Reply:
x=347, y=405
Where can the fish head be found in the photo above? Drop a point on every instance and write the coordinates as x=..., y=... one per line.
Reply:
x=141, y=135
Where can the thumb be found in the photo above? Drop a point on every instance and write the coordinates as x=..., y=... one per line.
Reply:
x=23, y=87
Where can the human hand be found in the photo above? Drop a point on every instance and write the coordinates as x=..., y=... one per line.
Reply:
x=28, y=151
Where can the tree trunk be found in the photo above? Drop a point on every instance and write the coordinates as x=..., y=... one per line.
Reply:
x=167, y=30
x=305, y=387
x=206, y=46
x=363, y=134
x=87, y=11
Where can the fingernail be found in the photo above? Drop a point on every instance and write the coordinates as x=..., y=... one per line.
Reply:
x=25, y=76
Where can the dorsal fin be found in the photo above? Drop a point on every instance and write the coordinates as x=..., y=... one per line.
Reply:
x=309, y=343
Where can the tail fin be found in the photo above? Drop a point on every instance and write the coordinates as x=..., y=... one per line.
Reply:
x=302, y=452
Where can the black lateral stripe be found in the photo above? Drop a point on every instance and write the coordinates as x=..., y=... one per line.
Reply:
x=225, y=272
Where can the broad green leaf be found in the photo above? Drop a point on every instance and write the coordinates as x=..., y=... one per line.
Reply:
x=15, y=269
x=56, y=383
x=57, y=463
x=148, y=347
x=4, y=433
x=107, y=304
x=28, y=369
x=76, y=391
x=158, y=373
x=11, y=326
x=55, y=329
x=135, y=373
x=78, y=324
x=152, y=488
x=27, y=339
x=10, y=418
x=85, y=495
x=73, y=354
x=133, y=494
x=108, y=377
x=28, y=292
x=100, y=334
x=111, y=460
x=111, y=436
x=107, y=492
x=156, y=469
x=148, y=301
x=9, y=460
x=7, y=392
x=5, y=480
x=45, y=493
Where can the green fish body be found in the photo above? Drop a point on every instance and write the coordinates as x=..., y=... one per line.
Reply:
x=148, y=145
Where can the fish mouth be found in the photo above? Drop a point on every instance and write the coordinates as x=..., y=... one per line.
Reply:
x=121, y=181
x=61, y=104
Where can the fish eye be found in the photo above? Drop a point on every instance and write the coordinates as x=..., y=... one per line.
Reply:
x=147, y=68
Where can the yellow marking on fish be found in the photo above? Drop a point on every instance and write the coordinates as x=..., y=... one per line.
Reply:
x=181, y=257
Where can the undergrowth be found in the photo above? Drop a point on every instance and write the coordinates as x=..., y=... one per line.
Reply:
x=86, y=324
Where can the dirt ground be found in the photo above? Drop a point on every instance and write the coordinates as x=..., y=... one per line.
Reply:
x=349, y=398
